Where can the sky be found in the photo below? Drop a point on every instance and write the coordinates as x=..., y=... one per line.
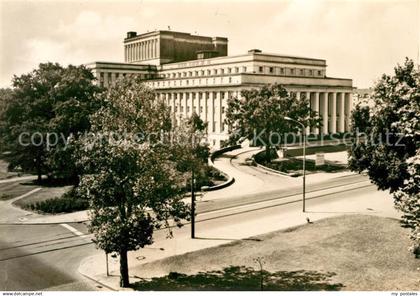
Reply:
x=360, y=39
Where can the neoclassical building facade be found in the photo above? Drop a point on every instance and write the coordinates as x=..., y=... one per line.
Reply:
x=195, y=74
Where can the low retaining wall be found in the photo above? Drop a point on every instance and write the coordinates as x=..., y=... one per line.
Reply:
x=263, y=167
x=212, y=157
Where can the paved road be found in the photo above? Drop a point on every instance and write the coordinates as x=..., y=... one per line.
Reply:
x=244, y=221
x=35, y=257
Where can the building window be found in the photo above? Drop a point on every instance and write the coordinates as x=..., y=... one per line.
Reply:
x=302, y=72
x=229, y=70
x=319, y=73
x=271, y=69
x=261, y=69
x=215, y=71
x=222, y=71
x=281, y=70
x=236, y=69
x=202, y=72
x=230, y=79
x=208, y=72
x=311, y=72
x=292, y=71
x=243, y=69
x=201, y=109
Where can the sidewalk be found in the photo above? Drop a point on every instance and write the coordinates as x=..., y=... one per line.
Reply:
x=212, y=231
x=248, y=180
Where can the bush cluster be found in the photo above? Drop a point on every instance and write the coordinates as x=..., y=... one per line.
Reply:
x=65, y=204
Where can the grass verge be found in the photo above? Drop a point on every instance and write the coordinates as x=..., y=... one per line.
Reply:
x=353, y=252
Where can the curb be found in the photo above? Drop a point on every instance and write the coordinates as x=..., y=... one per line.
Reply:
x=211, y=159
x=270, y=170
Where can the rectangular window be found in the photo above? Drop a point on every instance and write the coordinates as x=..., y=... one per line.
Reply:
x=244, y=69
x=271, y=69
x=302, y=72
x=311, y=73
x=319, y=73
x=292, y=71
x=236, y=69
x=222, y=71
x=281, y=70
x=261, y=69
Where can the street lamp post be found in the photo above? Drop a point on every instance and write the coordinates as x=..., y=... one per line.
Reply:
x=192, y=205
x=304, y=159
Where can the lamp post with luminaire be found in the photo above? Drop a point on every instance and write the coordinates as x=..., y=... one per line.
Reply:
x=304, y=158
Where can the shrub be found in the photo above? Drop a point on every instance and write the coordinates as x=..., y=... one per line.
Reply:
x=60, y=205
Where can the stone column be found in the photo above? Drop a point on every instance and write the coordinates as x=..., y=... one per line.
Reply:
x=212, y=98
x=223, y=117
x=192, y=104
x=341, y=118
x=141, y=51
x=348, y=106
x=324, y=114
x=198, y=97
x=308, y=97
x=222, y=97
x=206, y=102
x=172, y=97
x=125, y=53
x=316, y=109
x=179, y=106
x=185, y=103
x=156, y=47
x=150, y=49
x=333, y=129
x=298, y=95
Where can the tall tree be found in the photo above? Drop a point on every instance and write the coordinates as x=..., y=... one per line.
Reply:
x=259, y=115
x=47, y=106
x=390, y=154
x=129, y=176
x=5, y=98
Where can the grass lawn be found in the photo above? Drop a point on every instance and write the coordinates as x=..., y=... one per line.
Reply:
x=313, y=150
x=4, y=173
x=353, y=252
x=44, y=194
x=295, y=166
x=14, y=189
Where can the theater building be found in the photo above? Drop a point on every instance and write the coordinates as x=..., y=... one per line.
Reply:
x=195, y=74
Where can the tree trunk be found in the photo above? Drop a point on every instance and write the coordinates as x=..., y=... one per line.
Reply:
x=124, y=279
x=267, y=153
x=38, y=168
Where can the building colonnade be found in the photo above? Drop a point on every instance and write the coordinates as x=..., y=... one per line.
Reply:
x=333, y=106
x=143, y=50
